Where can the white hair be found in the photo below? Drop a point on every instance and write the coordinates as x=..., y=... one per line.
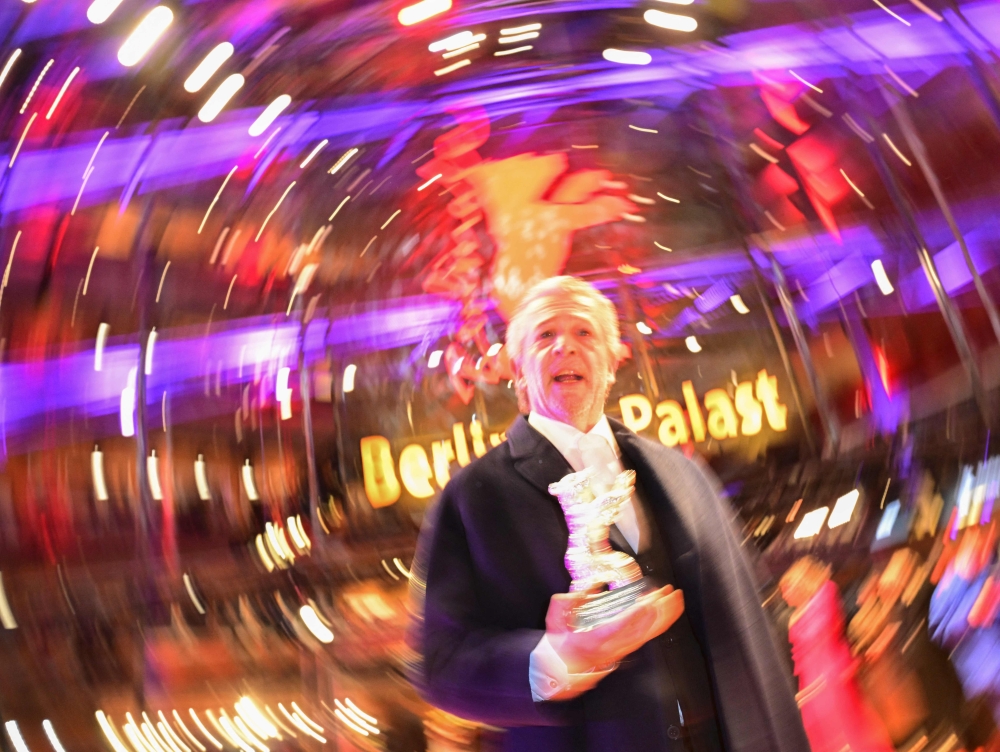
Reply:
x=584, y=295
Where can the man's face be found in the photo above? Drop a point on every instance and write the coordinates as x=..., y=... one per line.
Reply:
x=566, y=365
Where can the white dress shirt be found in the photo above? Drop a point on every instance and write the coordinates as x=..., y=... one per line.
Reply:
x=547, y=673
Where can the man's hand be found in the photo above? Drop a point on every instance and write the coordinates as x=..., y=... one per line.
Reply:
x=652, y=615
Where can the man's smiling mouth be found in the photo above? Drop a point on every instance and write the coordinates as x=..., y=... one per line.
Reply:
x=569, y=377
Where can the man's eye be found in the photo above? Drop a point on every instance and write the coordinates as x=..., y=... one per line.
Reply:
x=544, y=335
x=584, y=333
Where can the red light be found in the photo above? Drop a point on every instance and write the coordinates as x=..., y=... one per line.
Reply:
x=414, y=14
x=882, y=364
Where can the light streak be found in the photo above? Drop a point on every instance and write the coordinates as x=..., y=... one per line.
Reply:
x=141, y=40
x=267, y=141
x=692, y=344
x=391, y=218
x=502, y=53
x=318, y=629
x=460, y=51
x=229, y=291
x=671, y=21
x=803, y=81
x=201, y=727
x=521, y=29
x=342, y=161
x=897, y=17
x=663, y=247
x=163, y=277
x=519, y=38
x=761, y=153
x=738, y=304
x=882, y=278
x=429, y=182
x=319, y=147
x=34, y=88
x=101, y=10
x=643, y=130
x=339, y=207
x=899, y=154
x=21, y=140
x=220, y=97
x=10, y=64
x=268, y=217
x=62, y=91
x=414, y=14
x=268, y=116
x=214, y=200
x=452, y=67
x=207, y=67
x=627, y=57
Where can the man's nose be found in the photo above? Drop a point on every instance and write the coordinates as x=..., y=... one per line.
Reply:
x=565, y=343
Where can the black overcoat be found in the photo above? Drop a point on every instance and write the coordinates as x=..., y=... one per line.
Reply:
x=491, y=556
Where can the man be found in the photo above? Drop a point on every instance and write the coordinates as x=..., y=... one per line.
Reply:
x=691, y=666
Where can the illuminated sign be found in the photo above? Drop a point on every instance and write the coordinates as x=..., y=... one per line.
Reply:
x=422, y=473
x=722, y=418
x=416, y=469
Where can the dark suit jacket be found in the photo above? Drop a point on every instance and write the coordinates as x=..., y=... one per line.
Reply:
x=490, y=558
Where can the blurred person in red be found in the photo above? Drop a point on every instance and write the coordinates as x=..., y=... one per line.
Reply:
x=697, y=672
x=834, y=711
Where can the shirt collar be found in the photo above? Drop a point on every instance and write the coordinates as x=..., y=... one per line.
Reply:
x=564, y=437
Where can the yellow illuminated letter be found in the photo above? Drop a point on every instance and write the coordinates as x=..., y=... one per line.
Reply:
x=415, y=471
x=461, y=446
x=381, y=484
x=749, y=408
x=721, y=416
x=637, y=413
x=673, y=427
x=767, y=393
x=443, y=454
x=694, y=411
x=478, y=445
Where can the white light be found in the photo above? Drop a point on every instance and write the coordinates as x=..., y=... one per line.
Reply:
x=248, y=483
x=10, y=64
x=627, y=57
x=811, y=523
x=843, y=509
x=109, y=732
x=670, y=21
x=207, y=67
x=882, y=278
x=191, y=593
x=319, y=630
x=518, y=38
x=888, y=520
x=521, y=29
x=319, y=147
x=435, y=359
x=461, y=39
x=643, y=327
x=458, y=365
x=282, y=393
x=270, y=113
x=15, y=736
x=6, y=617
x=62, y=91
x=294, y=529
x=220, y=98
x=97, y=471
x=145, y=35
x=153, y=471
x=126, y=412
x=201, y=479
x=102, y=337
x=349, y=377
x=100, y=10
x=264, y=557
x=494, y=349
x=150, y=346
x=337, y=165
x=738, y=304
x=429, y=182
x=413, y=14
x=692, y=344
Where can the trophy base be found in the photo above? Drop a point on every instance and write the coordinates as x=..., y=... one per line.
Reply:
x=603, y=607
